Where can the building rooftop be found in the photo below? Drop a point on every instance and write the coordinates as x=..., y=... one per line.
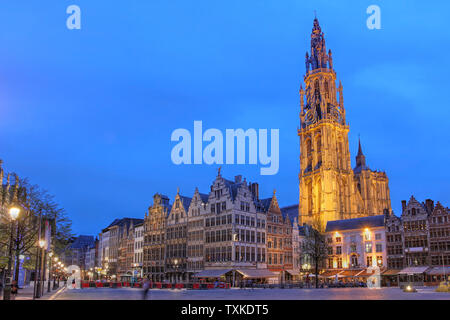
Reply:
x=356, y=223
x=291, y=212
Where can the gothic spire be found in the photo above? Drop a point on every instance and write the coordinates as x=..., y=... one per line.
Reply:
x=319, y=58
x=360, y=158
x=360, y=153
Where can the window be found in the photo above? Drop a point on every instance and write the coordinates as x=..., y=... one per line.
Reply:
x=379, y=247
x=378, y=236
x=369, y=261
x=379, y=261
x=338, y=239
x=354, y=261
x=330, y=263
x=339, y=263
x=368, y=247
x=339, y=250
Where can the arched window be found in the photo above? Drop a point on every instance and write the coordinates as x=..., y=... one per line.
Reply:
x=319, y=149
x=317, y=89
x=309, y=152
x=327, y=95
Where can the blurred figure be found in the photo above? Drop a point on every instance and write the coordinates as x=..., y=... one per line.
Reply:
x=14, y=290
x=146, y=288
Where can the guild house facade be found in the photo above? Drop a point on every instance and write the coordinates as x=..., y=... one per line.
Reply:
x=329, y=188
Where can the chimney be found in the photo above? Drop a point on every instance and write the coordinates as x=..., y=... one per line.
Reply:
x=255, y=190
x=429, y=204
x=238, y=178
x=403, y=205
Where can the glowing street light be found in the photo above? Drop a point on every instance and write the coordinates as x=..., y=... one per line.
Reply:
x=14, y=213
x=41, y=244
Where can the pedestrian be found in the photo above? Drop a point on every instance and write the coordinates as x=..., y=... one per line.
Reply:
x=146, y=288
x=14, y=290
x=73, y=283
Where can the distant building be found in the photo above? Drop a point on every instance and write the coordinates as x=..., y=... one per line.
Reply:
x=355, y=246
x=154, y=237
x=195, y=232
x=138, y=250
x=78, y=252
x=117, y=256
x=279, y=240
x=176, y=239
x=419, y=243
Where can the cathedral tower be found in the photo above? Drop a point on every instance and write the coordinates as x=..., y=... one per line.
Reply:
x=327, y=181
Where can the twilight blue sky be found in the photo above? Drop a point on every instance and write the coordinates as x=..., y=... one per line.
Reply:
x=88, y=114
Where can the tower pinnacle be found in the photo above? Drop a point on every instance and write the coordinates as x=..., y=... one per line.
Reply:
x=360, y=158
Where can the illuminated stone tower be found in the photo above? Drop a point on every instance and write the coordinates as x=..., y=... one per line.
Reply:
x=328, y=186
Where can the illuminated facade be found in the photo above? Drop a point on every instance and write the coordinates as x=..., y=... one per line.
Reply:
x=357, y=243
x=329, y=189
x=154, y=237
x=279, y=240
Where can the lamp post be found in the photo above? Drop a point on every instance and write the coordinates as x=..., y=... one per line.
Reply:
x=55, y=260
x=14, y=214
x=50, y=271
x=39, y=291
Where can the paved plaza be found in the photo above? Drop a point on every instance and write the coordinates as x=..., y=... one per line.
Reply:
x=253, y=294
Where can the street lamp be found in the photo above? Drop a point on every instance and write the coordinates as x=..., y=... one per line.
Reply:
x=14, y=214
x=176, y=270
x=50, y=273
x=40, y=288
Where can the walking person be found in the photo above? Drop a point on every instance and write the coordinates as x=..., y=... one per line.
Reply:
x=73, y=283
x=146, y=287
x=14, y=290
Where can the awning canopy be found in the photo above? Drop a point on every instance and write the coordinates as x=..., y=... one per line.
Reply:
x=439, y=271
x=256, y=273
x=331, y=273
x=293, y=272
x=413, y=270
x=391, y=272
x=211, y=273
x=350, y=273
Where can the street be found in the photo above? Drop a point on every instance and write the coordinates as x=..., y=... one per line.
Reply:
x=253, y=294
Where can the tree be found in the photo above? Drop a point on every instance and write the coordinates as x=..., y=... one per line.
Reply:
x=37, y=205
x=315, y=247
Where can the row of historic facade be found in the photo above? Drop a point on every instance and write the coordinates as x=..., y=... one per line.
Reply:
x=232, y=233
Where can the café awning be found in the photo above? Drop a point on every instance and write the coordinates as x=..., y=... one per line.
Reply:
x=436, y=271
x=217, y=273
x=391, y=272
x=331, y=273
x=350, y=273
x=256, y=273
x=293, y=272
x=413, y=270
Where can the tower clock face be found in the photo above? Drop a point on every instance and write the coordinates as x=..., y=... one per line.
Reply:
x=311, y=116
x=335, y=113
